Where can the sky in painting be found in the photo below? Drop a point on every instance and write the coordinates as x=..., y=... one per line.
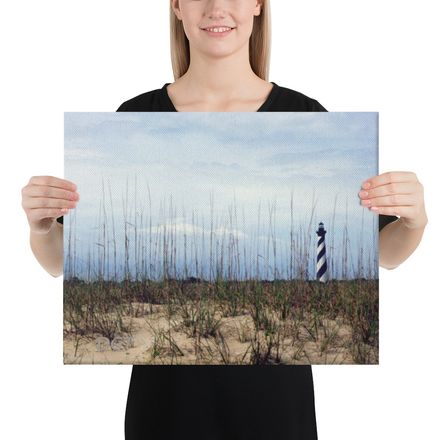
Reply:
x=257, y=182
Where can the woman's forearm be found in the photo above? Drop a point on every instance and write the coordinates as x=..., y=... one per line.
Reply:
x=48, y=249
x=397, y=242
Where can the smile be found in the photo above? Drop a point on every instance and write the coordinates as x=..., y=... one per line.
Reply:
x=218, y=31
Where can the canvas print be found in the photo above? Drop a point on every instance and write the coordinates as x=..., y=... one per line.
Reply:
x=233, y=238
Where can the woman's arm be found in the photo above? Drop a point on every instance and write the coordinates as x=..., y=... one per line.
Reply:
x=44, y=199
x=397, y=193
x=397, y=242
x=48, y=249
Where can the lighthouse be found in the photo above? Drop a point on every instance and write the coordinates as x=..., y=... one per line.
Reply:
x=321, y=261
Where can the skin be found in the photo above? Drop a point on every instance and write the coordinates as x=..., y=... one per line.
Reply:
x=220, y=78
x=396, y=193
x=44, y=199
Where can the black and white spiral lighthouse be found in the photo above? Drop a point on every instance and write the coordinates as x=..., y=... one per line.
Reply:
x=321, y=260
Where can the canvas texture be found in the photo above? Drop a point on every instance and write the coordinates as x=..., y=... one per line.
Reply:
x=233, y=238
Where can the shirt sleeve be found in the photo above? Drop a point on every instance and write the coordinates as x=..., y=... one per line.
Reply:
x=121, y=108
x=317, y=107
x=385, y=219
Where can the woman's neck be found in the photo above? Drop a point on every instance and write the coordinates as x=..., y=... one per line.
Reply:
x=222, y=78
x=219, y=84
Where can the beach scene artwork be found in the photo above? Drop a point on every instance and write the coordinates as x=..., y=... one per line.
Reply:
x=222, y=238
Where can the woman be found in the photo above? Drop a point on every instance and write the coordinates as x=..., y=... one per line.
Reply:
x=220, y=59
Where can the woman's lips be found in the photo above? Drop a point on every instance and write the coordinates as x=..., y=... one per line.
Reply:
x=223, y=33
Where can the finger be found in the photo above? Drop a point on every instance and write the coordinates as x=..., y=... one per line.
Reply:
x=52, y=181
x=44, y=202
x=391, y=188
x=38, y=214
x=391, y=200
x=389, y=177
x=49, y=191
x=400, y=211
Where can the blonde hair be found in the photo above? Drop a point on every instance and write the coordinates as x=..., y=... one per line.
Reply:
x=259, y=44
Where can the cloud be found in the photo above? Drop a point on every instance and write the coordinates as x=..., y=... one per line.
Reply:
x=236, y=156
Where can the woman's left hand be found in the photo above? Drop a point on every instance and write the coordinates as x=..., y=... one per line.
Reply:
x=396, y=193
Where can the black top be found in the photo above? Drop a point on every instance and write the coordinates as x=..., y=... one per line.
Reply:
x=215, y=402
x=280, y=99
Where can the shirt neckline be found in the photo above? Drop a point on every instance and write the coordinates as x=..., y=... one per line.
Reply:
x=170, y=106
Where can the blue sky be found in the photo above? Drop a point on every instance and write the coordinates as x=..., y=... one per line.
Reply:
x=246, y=158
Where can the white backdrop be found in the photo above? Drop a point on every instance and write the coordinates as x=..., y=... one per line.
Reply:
x=90, y=56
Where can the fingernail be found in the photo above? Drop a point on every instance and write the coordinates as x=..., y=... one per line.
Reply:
x=374, y=208
x=366, y=185
x=363, y=193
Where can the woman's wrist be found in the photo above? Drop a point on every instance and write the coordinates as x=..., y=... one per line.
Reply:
x=418, y=223
x=48, y=249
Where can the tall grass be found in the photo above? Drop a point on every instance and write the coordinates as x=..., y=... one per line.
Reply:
x=203, y=272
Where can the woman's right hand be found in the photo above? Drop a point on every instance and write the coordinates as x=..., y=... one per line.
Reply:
x=45, y=198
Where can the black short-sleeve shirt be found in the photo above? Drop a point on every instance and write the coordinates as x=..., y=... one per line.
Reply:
x=214, y=402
